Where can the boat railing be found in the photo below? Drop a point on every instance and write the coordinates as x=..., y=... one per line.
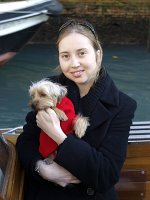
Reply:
x=11, y=131
x=11, y=134
x=139, y=132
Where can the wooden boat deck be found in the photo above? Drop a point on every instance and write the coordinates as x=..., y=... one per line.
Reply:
x=134, y=183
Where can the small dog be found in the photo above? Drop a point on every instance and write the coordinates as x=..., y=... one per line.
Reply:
x=47, y=94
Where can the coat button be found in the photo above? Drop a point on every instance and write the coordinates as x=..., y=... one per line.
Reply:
x=90, y=191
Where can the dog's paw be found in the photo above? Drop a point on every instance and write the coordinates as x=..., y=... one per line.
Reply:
x=80, y=126
x=61, y=115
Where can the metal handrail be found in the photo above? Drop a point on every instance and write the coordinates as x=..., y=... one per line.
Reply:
x=11, y=131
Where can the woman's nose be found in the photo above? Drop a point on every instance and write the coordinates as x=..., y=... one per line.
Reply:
x=75, y=62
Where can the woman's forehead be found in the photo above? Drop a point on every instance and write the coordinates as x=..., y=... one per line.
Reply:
x=74, y=41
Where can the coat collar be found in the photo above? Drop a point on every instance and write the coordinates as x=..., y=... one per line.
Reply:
x=104, y=92
x=98, y=104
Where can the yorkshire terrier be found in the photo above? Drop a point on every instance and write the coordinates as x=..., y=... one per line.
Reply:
x=47, y=94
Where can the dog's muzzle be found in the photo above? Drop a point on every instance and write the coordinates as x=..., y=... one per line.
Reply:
x=34, y=106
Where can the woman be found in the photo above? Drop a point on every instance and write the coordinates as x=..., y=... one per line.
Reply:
x=86, y=168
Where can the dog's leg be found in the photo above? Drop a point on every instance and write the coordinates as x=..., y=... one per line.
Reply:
x=61, y=115
x=80, y=126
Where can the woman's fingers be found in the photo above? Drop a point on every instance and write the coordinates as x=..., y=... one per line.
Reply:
x=57, y=174
x=50, y=124
x=47, y=115
x=50, y=111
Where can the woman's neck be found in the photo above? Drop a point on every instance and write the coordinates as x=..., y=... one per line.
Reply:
x=84, y=88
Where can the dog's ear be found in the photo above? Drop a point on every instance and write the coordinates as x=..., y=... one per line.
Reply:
x=63, y=92
x=31, y=89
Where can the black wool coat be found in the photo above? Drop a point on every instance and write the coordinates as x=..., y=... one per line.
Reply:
x=97, y=158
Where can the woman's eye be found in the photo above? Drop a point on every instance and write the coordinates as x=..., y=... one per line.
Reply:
x=65, y=57
x=82, y=53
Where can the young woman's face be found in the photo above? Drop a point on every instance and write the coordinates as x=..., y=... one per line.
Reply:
x=78, y=59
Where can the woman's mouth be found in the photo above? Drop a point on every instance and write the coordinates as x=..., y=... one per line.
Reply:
x=77, y=74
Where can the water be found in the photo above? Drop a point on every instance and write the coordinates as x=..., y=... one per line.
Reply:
x=129, y=66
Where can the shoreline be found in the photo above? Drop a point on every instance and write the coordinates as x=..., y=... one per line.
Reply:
x=110, y=30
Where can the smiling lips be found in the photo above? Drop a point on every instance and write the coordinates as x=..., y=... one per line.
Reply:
x=77, y=74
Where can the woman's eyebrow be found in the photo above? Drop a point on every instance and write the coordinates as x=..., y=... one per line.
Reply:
x=81, y=49
x=62, y=52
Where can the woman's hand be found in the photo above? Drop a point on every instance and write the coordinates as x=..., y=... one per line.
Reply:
x=50, y=124
x=56, y=174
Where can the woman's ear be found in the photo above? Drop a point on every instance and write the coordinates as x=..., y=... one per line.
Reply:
x=99, y=56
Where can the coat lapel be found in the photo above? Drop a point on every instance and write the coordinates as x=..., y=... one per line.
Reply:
x=99, y=115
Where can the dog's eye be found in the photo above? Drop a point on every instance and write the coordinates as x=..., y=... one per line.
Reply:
x=43, y=95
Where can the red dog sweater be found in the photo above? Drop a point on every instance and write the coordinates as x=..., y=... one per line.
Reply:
x=48, y=145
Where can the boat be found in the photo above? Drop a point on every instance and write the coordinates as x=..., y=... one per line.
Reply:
x=20, y=20
x=134, y=183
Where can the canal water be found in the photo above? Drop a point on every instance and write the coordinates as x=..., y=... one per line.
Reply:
x=129, y=66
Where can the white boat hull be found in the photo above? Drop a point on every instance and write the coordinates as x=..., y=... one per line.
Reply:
x=19, y=21
x=21, y=24
x=17, y=5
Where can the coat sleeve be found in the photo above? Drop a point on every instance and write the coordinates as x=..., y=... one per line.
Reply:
x=28, y=145
x=100, y=167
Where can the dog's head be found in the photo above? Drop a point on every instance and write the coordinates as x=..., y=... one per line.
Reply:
x=45, y=94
